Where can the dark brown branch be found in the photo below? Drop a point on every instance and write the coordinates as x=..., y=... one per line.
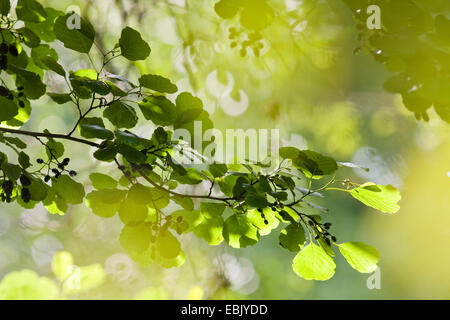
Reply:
x=93, y=144
x=157, y=186
x=49, y=135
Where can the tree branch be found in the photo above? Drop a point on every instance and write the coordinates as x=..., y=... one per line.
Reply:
x=49, y=135
x=93, y=144
x=157, y=186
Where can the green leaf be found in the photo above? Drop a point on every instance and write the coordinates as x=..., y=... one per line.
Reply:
x=289, y=152
x=218, y=170
x=102, y=181
x=140, y=193
x=76, y=37
x=190, y=220
x=382, y=198
x=53, y=65
x=397, y=83
x=55, y=204
x=209, y=225
x=24, y=160
x=94, y=128
x=184, y=202
x=115, y=90
x=59, y=206
x=30, y=10
x=121, y=115
x=45, y=30
x=160, y=136
x=171, y=263
x=186, y=101
x=263, y=185
x=255, y=217
x=60, y=98
x=135, y=239
x=107, y=153
x=239, y=232
x=292, y=237
x=20, y=61
x=188, y=108
x=227, y=9
x=97, y=86
x=22, y=117
x=360, y=256
x=191, y=176
x=227, y=184
x=168, y=245
x=78, y=80
x=157, y=83
x=178, y=169
x=106, y=202
x=210, y=230
x=159, y=199
x=5, y=6
x=443, y=111
x=325, y=246
x=131, y=154
x=279, y=195
x=29, y=37
x=32, y=83
x=54, y=149
x=42, y=51
x=85, y=83
x=3, y=157
x=88, y=74
x=132, y=46
x=68, y=189
x=159, y=110
x=109, y=196
x=38, y=190
x=314, y=165
x=131, y=212
x=287, y=215
x=12, y=171
x=212, y=209
x=313, y=263
x=130, y=138
x=202, y=117
x=8, y=109
x=256, y=15
x=256, y=201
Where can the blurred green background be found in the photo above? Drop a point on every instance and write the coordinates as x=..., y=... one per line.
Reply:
x=309, y=83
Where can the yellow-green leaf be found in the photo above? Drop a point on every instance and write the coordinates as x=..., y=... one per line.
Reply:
x=360, y=256
x=382, y=198
x=313, y=263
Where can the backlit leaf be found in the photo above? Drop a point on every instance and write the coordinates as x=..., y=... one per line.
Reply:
x=313, y=263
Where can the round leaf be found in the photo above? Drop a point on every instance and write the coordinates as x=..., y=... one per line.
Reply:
x=75, y=32
x=132, y=46
x=293, y=237
x=360, y=256
x=121, y=115
x=313, y=263
x=8, y=109
x=68, y=189
x=382, y=198
x=157, y=83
